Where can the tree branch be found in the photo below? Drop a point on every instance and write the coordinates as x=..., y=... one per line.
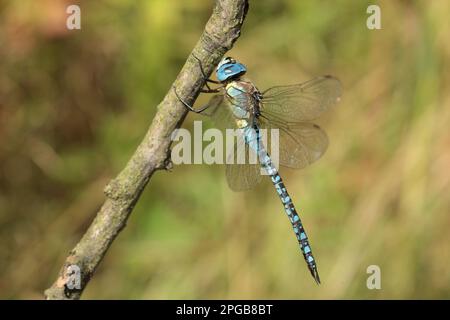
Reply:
x=153, y=153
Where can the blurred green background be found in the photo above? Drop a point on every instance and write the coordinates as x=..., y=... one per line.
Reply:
x=75, y=104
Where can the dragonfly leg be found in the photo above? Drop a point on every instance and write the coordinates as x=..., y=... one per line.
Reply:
x=209, y=90
x=190, y=108
x=205, y=78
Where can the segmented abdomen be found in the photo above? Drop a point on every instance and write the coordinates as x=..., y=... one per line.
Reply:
x=252, y=138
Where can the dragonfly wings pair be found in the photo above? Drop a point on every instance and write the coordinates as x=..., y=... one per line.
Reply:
x=290, y=109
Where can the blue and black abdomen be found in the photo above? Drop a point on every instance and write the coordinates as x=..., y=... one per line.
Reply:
x=252, y=138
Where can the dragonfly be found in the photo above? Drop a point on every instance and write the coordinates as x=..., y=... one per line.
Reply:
x=291, y=109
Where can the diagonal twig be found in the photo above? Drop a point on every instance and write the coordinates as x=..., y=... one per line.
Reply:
x=153, y=153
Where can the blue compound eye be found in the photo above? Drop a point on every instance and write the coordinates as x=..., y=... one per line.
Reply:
x=225, y=61
x=230, y=69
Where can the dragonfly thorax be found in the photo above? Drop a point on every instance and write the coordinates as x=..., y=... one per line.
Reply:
x=241, y=123
x=242, y=97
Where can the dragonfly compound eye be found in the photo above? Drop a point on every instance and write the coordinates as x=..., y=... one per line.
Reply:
x=228, y=71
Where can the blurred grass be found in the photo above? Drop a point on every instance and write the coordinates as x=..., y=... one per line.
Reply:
x=74, y=105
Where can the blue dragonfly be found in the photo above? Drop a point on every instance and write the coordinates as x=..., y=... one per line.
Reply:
x=290, y=109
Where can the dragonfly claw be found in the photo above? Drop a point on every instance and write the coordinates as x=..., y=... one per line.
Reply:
x=190, y=108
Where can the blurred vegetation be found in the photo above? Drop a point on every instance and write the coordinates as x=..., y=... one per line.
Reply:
x=75, y=104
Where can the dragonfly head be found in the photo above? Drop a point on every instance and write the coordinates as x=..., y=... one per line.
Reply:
x=229, y=69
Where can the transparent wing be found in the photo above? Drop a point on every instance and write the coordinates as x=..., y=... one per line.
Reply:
x=219, y=113
x=300, y=144
x=243, y=176
x=301, y=102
